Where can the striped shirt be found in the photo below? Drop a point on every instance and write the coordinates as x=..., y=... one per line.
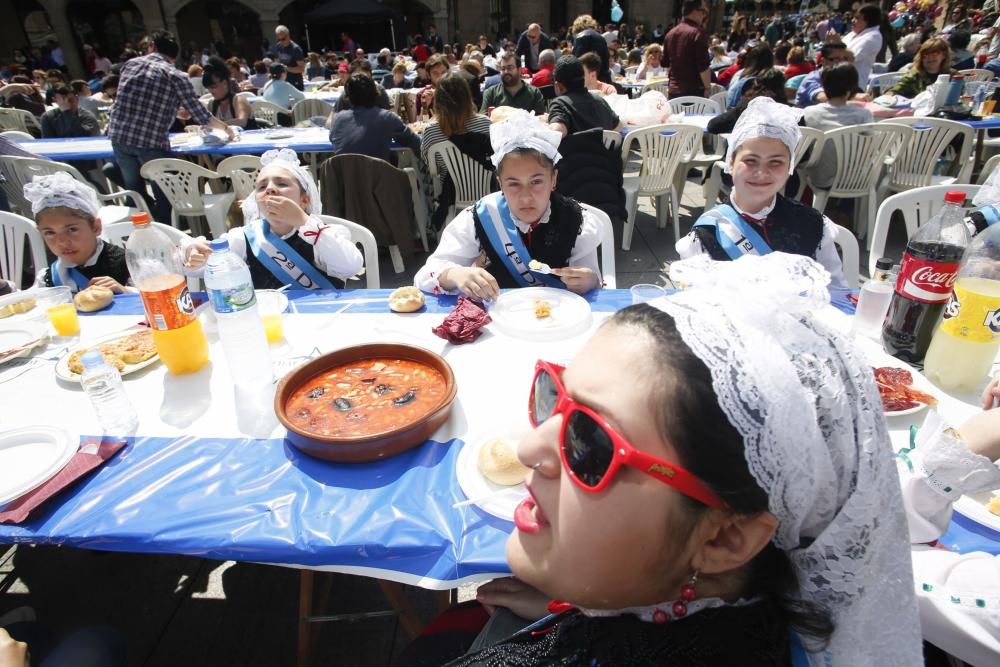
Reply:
x=149, y=94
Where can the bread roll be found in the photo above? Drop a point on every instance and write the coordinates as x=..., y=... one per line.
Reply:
x=498, y=463
x=406, y=300
x=93, y=298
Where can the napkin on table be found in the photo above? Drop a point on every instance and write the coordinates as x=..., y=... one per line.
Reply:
x=464, y=323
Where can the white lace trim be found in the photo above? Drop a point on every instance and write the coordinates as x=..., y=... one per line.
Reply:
x=942, y=458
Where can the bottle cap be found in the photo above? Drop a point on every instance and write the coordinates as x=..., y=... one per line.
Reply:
x=140, y=219
x=955, y=197
x=92, y=358
x=883, y=263
x=218, y=244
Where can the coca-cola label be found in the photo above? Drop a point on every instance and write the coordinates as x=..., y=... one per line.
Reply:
x=926, y=281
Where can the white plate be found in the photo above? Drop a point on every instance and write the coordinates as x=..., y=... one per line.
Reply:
x=30, y=456
x=279, y=134
x=17, y=340
x=878, y=358
x=474, y=485
x=973, y=506
x=271, y=302
x=42, y=295
x=62, y=366
x=514, y=314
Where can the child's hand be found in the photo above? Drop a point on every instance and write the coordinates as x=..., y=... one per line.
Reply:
x=284, y=210
x=991, y=394
x=197, y=253
x=579, y=279
x=108, y=282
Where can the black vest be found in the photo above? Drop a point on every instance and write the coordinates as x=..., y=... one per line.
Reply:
x=111, y=263
x=791, y=227
x=264, y=279
x=551, y=243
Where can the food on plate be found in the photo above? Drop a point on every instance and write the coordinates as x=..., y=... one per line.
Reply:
x=895, y=386
x=93, y=298
x=366, y=397
x=17, y=308
x=464, y=323
x=406, y=300
x=543, y=309
x=499, y=463
x=76, y=366
x=135, y=348
x=994, y=505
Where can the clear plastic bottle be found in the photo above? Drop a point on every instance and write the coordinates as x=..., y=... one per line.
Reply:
x=240, y=328
x=103, y=385
x=873, y=303
x=154, y=263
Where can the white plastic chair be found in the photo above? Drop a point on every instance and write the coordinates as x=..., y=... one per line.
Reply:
x=918, y=206
x=850, y=255
x=630, y=71
x=266, y=111
x=662, y=85
x=363, y=236
x=306, y=109
x=883, y=82
x=117, y=233
x=241, y=170
x=15, y=230
x=987, y=169
x=613, y=140
x=976, y=75
x=16, y=135
x=19, y=171
x=861, y=151
x=181, y=184
x=607, y=245
x=19, y=119
x=915, y=164
x=472, y=180
x=662, y=151
x=699, y=106
x=689, y=104
x=715, y=89
x=720, y=98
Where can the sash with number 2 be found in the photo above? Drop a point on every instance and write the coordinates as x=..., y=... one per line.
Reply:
x=278, y=257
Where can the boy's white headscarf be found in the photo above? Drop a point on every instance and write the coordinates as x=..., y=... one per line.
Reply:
x=61, y=189
x=764, y=117
x=287, y=159
x=523, y=130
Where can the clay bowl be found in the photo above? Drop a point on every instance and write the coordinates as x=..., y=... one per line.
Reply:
x=356, y=449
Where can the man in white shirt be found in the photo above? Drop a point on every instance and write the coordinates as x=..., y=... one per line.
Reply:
x=865, y=40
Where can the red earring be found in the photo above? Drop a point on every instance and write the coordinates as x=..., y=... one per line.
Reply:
x=680, y=607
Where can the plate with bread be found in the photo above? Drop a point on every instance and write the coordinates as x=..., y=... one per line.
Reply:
x=488, y=467
x=128, y=351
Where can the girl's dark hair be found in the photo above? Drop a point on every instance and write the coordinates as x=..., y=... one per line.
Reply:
x=710, y=447
x=215, y=71
x=759, y=58
x=769, y=83
x=361, y=91
x=840, y=80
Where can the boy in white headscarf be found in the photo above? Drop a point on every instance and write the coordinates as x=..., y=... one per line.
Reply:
x=65, y=213
x=525, y=235
x=284, y=242
x=759, y=219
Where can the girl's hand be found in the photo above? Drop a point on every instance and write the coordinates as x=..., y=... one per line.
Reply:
x=12, y=653
x=197, y=253
x=283, y=210
x=992, y=394
x=579, y=279
x=514, y=594
x=472, y=281
x=107, y=281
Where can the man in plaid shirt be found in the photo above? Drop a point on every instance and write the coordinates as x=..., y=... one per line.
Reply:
x=150, y=93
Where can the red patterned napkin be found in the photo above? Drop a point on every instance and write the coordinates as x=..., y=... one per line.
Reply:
x=81, y=463
x=464, y=324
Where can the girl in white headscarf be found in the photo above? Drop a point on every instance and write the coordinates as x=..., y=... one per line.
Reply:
x=283, y=241
x=758, y=219
x=525, y=235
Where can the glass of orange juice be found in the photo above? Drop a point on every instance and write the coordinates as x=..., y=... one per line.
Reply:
x=271, y=306
x=62, y=312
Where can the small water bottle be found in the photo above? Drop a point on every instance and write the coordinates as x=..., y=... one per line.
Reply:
x=103, y=385
x=977, y=101
x=235, y=304
x=873, y=303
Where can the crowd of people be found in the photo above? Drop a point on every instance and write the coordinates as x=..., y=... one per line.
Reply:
x=770, y=547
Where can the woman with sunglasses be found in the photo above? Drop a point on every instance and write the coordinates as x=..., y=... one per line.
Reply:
x=711, y=483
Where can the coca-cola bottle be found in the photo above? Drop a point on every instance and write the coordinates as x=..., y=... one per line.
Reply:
x=926, y=277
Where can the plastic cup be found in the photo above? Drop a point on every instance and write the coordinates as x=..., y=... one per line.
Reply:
x=271, y=306
x=646, y=292
x=62, y=312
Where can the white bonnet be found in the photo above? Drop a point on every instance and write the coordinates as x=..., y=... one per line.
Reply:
x=764, y=117
x=521, y=129
x=287, y=159
x=61, y=189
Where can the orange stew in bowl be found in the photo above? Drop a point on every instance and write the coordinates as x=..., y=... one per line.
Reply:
x=366, y=397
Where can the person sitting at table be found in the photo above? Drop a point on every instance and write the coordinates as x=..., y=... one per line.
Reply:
x=68, y=120
x=651, y=67
x=280, y=92
x=710, y=483
x=758, y=219
x=226, y=105
x=575, y=109
x=397, y=77
x=364, y=68
x=759, y=58
x=260, y=77
x=65, y=212
x=109, y=89
x=491, y=245
x=591, y=68
x=512, y=91
x=840, y=85
x=283, y=241
x=769, y=83
x=546, y=63
x=315, y=70
x=932, y=59
x=364, y=128
x=21, y=94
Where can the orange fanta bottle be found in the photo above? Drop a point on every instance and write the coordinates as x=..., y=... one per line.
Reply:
x=155, y=266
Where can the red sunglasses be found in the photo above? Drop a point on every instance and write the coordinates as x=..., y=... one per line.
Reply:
x=592, y=451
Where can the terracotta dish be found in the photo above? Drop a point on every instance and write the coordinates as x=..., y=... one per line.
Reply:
x=359, y=448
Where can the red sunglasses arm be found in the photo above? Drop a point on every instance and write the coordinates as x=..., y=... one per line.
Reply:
x=673, y=476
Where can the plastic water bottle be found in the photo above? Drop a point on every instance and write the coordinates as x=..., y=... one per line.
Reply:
x=873, y=303
x=103, y=385
x=240, y=329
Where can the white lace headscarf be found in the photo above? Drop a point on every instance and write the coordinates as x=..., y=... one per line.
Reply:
x=523, y=130
x=61, y=189
x=288, y=160
x=804, y=400
x=764, y=117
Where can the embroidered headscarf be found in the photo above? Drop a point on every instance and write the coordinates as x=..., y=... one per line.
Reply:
x=61, y=189
x=523, y=130
x=288, y=160
x=764, y=117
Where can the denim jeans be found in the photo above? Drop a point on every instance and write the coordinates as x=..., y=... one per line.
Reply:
x=993, y=66
x=130, y=160
x=98, y=646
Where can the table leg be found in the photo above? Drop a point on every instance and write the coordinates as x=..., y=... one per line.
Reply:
x=305, y=611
